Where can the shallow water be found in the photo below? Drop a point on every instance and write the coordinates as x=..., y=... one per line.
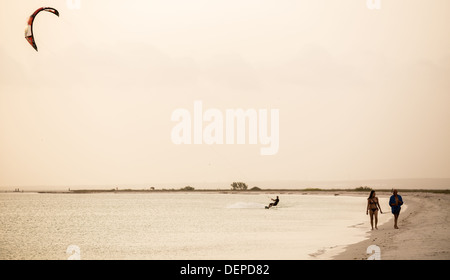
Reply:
x=177, y=225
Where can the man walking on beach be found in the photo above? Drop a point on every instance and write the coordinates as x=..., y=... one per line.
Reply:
x=395, y=202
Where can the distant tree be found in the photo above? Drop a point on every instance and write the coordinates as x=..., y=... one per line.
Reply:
x=239, y=186
x=188, y=188
x=255, y=188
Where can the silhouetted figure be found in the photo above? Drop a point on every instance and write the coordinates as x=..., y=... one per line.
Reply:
x=395, y=202
x=372, y=206
x=274, y=203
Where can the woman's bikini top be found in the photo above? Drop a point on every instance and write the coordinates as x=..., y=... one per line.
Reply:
x=373, y=203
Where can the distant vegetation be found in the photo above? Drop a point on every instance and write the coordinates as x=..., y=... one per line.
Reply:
x=239, y=186
x=312, y=189
x=363, y=189
x=187, y=188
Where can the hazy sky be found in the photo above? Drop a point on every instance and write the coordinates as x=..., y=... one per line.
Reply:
x=361, y=94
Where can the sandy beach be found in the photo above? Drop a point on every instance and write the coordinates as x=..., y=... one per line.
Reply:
x=423, y=234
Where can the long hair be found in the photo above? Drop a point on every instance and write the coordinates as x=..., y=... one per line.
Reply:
x=371, y=193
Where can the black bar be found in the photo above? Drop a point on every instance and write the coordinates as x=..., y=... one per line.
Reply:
x=223, y=269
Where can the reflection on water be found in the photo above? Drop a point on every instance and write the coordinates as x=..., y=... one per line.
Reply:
x=176, y=225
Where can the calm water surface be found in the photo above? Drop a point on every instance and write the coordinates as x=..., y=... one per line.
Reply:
x=177, y=225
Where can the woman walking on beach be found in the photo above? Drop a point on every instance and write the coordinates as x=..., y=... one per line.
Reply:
x=372, y=206
x=395, y=202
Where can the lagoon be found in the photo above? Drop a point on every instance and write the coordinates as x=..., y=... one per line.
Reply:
x=181, y=226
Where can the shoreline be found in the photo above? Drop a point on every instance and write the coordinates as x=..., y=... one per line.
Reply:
x=424, y=224
x=423, y=234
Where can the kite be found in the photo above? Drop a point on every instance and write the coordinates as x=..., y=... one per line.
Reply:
x=29, y=30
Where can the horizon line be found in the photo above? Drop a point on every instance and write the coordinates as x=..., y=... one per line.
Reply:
x=278, y=183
